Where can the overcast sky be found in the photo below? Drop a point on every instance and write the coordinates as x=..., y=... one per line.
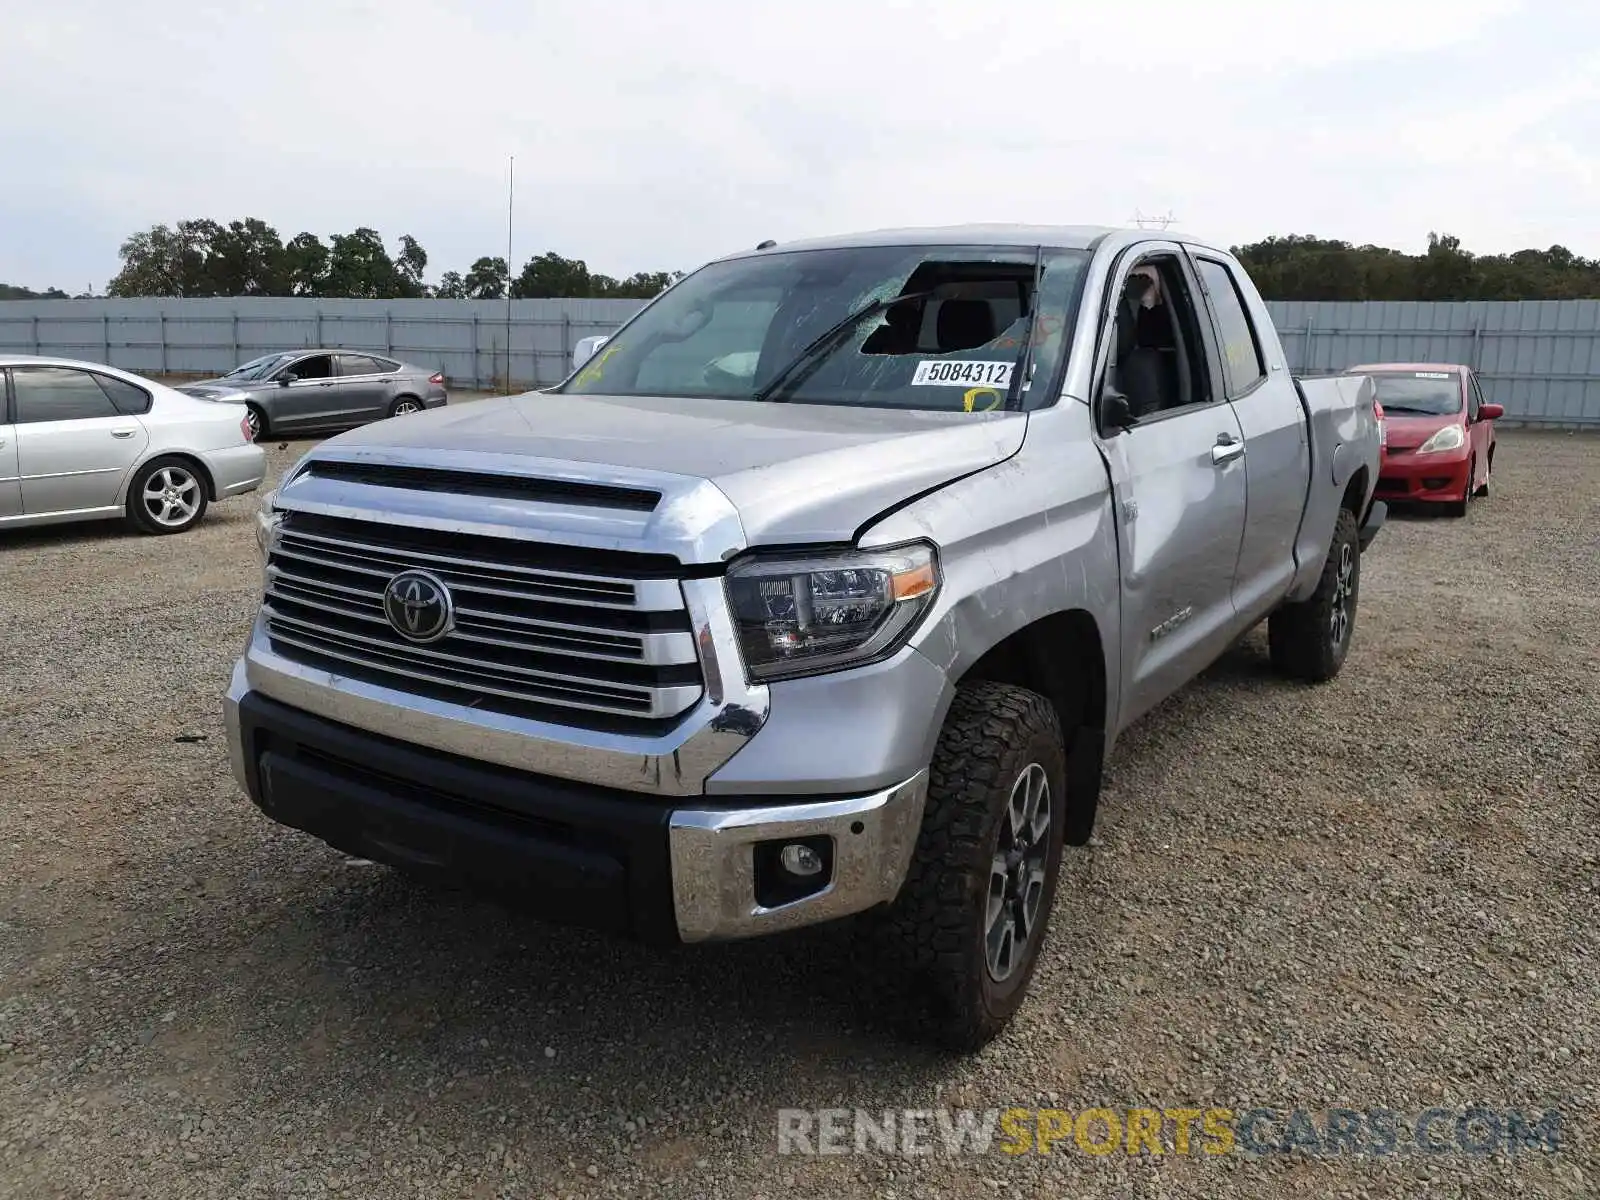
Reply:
x=657, y=135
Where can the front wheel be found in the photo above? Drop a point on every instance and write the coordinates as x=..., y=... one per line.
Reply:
x=1458, y=508
x=1309, y=639
x=964, y=935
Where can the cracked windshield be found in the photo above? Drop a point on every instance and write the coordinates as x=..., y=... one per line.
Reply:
x=894, y=326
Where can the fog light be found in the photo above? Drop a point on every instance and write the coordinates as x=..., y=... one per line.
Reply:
x=800, y=859
x=786, y=870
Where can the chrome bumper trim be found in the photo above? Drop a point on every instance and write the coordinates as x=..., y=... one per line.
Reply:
x=713, y=881
x=238, y=685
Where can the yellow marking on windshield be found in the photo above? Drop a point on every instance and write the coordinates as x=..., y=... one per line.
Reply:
x=969, y=399
x=594, y=370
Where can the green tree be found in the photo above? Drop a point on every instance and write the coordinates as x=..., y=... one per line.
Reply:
x=409, y=265
x=163, y=261
x=305, y=265
x=643, y=285
x=1307, y=268
x=247, y=258
x=487, y=279
x=549, y=274
x=10, y=291
x=451, y=286
x=359, y=266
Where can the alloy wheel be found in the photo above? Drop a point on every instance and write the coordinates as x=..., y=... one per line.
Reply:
x=171, y=496
x=1343, y=587
x=1017, y=873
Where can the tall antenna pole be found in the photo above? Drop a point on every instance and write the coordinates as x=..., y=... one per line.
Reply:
x=511, y=191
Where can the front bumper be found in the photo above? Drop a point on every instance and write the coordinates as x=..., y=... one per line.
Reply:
x=578, y=854
x=237, y=470
x=1423, y=478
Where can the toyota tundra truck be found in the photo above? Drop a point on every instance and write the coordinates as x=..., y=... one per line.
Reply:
x=822, y=590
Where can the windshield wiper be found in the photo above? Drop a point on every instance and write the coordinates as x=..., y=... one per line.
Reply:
x=819, y=347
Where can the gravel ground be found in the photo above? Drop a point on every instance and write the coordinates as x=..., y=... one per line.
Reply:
x=1373, y=894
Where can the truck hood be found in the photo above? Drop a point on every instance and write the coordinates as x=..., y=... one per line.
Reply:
x=796, y=473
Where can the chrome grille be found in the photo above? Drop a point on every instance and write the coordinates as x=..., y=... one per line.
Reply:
x=578, y=637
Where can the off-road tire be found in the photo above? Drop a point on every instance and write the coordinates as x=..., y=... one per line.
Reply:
x=1300, y=635
x=928, y=946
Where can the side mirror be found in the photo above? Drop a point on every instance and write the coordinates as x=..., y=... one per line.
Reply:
x=586, y=348
x=1491, y=412
x=287, y=378
x=1116, y=412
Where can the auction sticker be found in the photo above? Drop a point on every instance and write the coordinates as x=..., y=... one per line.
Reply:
x=943, y=372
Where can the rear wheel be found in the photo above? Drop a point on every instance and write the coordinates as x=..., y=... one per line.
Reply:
x=1309, y=639
x=1488, y=470
x=167, y=495
x=405, y=405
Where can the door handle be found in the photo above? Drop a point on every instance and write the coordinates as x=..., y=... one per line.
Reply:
x=1226, y=450
x=123, y=433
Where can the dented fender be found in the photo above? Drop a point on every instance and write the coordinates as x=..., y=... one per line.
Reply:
x=1025, y=539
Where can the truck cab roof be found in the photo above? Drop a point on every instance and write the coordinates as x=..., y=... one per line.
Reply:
x=1068, y=237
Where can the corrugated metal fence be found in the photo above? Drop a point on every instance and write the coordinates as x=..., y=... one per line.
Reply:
x=476, y=343
x=1541, y=359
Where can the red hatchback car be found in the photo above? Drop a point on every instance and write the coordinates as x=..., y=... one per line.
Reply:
x=1439, y=432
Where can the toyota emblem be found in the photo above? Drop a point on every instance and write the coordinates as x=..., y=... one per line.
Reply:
x=419, y=606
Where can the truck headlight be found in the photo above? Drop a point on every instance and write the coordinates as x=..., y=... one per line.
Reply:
x=1448, y=438
x=806, y=615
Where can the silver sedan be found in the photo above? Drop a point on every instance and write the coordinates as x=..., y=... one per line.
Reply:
x=82, y=441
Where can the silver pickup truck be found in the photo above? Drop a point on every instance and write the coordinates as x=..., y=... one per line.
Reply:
x=822, y=590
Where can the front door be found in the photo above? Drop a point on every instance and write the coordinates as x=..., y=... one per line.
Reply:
x=1180, y=501
x=1478, y=433
x=1178, y=479
x=308, y=400
x=74, y=449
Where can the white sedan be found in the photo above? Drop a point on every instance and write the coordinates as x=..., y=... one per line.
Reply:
x=81, y=441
